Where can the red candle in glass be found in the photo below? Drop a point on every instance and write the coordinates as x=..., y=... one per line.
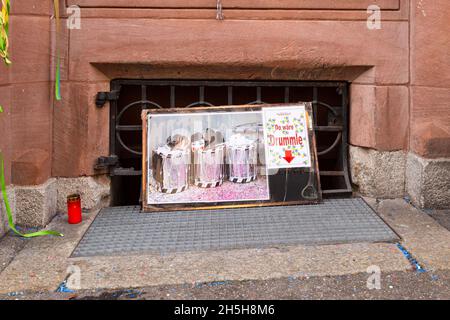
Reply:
x=74, y=208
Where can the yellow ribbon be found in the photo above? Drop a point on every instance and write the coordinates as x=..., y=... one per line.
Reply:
x=4, y=30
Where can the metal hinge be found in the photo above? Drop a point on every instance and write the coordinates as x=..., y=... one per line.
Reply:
x=102, y=97
x=106, y=163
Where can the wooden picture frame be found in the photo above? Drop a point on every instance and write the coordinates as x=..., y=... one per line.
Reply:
x=288, y=175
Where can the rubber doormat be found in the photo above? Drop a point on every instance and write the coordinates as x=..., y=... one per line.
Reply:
x=125, y=230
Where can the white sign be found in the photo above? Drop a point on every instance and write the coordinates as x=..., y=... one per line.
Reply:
x=286, y=137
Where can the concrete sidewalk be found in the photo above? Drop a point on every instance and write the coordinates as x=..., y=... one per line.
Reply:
x=42, y=264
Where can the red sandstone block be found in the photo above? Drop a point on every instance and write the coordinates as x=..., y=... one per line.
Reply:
x=31, y=129
x=379, y=117
x=5, y=130
x=60, y=41
x=99, y=144
x=245, y=14
x=430, y=43
x=362, y=116
x=295, y=50
x=392, y=118
x=430, y=122
x=81, y=130
x=30, y=48
x=67, y=143
x=29, y=7
x=237, y=4
x=4, y=73
x=31, y=167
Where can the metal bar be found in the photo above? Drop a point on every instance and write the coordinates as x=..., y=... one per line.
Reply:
x=112, y=124
x=144, y=96
x=129, y=128
x=201, y=95
x=126, y=172
x=112, y=132
x=337, y=191
x=286, y=95
x=258, y=94
x=172, y=96
x=315, y=95
x=230, y=95
x=332, y=173
x=344, y=146
x=329, y=128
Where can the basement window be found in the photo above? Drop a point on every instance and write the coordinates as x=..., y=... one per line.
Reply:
x=330, y=104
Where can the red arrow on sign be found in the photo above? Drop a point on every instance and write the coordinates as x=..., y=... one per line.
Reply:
x=288, y=156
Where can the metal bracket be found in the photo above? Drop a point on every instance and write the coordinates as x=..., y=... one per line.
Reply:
x=102, y=97
x=106, y=162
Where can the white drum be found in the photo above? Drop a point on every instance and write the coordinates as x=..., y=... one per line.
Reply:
x=242, y=159
x=210, y=167
x=170, y=169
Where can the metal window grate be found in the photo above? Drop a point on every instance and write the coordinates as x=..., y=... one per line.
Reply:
x=330, y=102
x=125, y=230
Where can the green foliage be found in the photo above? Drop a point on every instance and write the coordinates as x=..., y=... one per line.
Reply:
x=4, y=31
